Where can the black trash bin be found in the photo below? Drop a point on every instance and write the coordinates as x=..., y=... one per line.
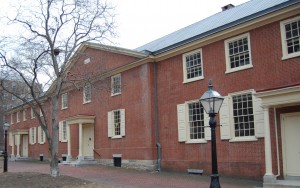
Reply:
x=64, y=158
x=117, y=161
x=41, y=157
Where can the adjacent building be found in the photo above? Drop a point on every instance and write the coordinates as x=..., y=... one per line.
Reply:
x=141, y=109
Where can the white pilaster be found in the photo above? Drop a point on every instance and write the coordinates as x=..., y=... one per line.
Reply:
x=69, y=142
x=269, y=176
x=80, y=142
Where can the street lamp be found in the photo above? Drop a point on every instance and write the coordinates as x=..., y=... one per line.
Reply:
x=211, y=101
x=5, y=127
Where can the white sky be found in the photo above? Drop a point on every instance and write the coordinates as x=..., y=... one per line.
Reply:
x=142, y=21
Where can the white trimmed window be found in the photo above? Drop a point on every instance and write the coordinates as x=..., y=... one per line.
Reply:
x=63, y=137
x=192, y=66
x=11, y=139
x=116, y=84
x=41, y=135
x=241, y=117
x=193, y=124
x=32, y=135
x=24, y=114
x=116, y=123
x=64, y=101
x=12, y=118
x=32, y=113
x=41, y=113
x=18, y=116
x=87, y=94
x=238, y=53
x=290, y=37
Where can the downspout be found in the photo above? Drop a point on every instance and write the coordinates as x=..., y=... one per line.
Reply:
x=277, y=148
x=156, y=121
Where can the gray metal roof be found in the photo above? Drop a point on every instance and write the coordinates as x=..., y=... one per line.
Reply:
x=215, y=23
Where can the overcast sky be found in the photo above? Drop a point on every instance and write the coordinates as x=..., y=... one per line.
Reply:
x=142, y=21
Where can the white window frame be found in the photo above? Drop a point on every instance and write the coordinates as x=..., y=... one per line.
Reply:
x=32, y=113
x=41, y=135
x=32, y=135
x=41, y=114
x=285, y=54
x=227, y=122
x=227, y=58
x=12, y=118
x=24, y=114
x=18, y=117
x=111, y=125
x=184, y=127
x=115, y=90
x=63, y=131
x=185, y=79
x=87, y=88
x=64, y=101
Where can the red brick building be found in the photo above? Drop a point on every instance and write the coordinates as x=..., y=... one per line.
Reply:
x=141, y=107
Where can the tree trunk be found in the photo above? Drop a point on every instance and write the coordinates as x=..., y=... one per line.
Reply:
x=54, y=170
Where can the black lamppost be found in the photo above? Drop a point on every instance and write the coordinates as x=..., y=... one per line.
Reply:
x=5, y=127
x=211, y=102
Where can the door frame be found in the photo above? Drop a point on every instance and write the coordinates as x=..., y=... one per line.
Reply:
x=23, y=145
x=283, y=139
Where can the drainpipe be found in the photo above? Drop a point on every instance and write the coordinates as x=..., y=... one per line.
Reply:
x=156, y=121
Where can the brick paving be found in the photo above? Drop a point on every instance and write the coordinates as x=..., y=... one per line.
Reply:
x=121, y=177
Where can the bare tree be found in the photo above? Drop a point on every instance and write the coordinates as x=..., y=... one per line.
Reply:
x=48, y=33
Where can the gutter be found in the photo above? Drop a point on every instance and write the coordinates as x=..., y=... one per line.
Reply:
x=156, y=121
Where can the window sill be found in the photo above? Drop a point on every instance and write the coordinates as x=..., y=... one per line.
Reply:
x=289, y=56
x=198, y=141
x=87, y=102
x=64, y=141
x=239, y=69
x=115, y=94
x=64, y=108
x=186, y=81
x=244, y=139
x=116, y=137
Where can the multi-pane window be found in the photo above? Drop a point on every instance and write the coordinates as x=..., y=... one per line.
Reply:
x=24, y=114
x=117, y=122
x=64, y=130
x=32, y=113
x=18, y=116
x=238, y=54
x=32, y=135
x=41, y=135
x=87, y=93
x=64, y=101
x=116, y=84
x=290, y=35
x=192, y=64
x=11, y=118
x=196, y=120
x=243, y=115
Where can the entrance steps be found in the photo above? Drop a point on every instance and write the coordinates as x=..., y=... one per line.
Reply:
x=283, y=183
x=84, y=161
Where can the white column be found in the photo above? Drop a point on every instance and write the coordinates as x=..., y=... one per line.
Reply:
x=18, y=145
x=69, y=142
x=12, y=156
x=269, y=176
x=80, y=157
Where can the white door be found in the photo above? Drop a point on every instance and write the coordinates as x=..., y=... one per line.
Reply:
x=25, y=146
x=88, y=140
x=291, y=145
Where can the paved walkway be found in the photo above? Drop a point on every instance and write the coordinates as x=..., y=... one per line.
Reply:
x=130, y=178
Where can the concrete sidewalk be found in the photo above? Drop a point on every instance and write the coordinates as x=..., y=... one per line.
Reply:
x=121, y=177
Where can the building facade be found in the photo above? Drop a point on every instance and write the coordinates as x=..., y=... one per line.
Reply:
x=142, y=108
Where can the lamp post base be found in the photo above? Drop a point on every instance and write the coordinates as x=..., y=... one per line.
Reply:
x=214, y=183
